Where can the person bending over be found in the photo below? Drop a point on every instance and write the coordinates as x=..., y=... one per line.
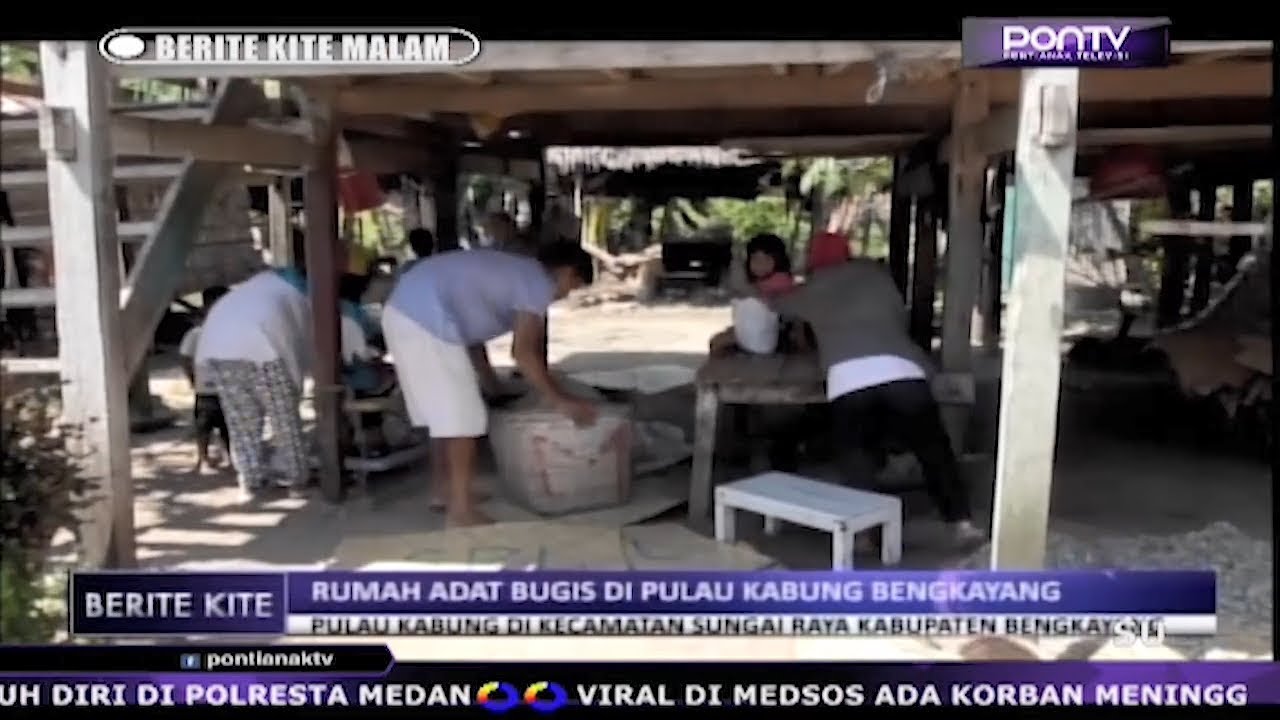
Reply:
x=877, y=382
x=254, y=345
x=436, y=323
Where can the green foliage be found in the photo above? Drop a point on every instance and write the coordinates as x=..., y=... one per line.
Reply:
x=829, y=177
x=751, y=217
x=18, y=63
x=39, y=487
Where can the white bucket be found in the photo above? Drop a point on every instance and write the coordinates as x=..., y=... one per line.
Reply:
x=552, y=467
x=755, y=326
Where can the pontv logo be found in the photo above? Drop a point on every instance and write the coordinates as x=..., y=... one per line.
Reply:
x=1065, y=42
x=301, y=46
x=543, y=697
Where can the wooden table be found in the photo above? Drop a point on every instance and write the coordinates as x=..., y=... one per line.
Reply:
x=745, y=379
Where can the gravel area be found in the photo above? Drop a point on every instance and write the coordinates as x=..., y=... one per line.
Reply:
x=1243, y=565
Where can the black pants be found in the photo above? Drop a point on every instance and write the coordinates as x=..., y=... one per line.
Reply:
x=207, y=417
x=904, y=412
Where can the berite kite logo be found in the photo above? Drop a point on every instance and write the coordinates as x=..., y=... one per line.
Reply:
x=282, y=46
x=1065, y=42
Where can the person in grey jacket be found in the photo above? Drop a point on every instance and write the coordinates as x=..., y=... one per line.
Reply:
x=877, y=376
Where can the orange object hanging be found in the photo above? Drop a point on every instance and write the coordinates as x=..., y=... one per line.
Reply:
x=358, y=191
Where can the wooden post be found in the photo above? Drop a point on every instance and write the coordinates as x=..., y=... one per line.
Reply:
x=924, y=274
x=1202, y=277
x=87, y=281
x=279, y=221
x=444, y=192
x=1241, y=211
x=899, y=229
x=967, y=185
x=322, y=272
x=1176, y=261
x=993, y=304
x=1045, y=169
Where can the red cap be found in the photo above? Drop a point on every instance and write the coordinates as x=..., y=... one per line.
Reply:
x=827, y=249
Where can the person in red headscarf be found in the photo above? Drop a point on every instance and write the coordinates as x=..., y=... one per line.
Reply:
x=877, y=377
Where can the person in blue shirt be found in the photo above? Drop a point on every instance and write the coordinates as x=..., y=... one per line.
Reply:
x=436, y=323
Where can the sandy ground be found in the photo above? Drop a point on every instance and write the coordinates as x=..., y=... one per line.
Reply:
x=1102, y=485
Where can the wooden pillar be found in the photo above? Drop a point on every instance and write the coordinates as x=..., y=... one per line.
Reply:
x=966, y=186
x=1176, y=262
x=1045, y=168
x=279, y=221
x=444, y=193
x=1241, y=211
x=320, y=198
x=899, y=229
x=924, y=273
x=993, y=285
x=87, y=281
x=1202, y=277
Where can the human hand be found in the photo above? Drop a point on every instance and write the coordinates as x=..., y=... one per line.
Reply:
x=581, y=412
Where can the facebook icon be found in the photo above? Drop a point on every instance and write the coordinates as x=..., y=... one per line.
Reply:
x=189, y=661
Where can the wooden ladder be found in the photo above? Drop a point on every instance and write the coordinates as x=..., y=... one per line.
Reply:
x=159, y=201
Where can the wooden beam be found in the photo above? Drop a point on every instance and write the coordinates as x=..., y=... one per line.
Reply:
x=838, y=145
x=1199, y=228
x=900, y=230
x=1221, y=80
x=966, y=187
x=31, y=366
x=27, y=297
x=42, y=236
x=924, y=271
x=321, y=201
x=1045, y=168
x=279, y=225
x=1202, y=270
x=474, y=78
x=37, y=177
x=387, y=156
x=1241, y=211
x=20, y=89
x=87, y=282
x=159, y=268
x=649, y=94
x=996, y=135
x=993, y=283
x=207, y=143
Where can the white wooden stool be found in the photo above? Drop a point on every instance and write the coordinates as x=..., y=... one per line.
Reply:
x=841, y=511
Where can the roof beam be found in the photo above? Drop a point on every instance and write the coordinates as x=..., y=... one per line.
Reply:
x=210, y=143
x=1216, y=80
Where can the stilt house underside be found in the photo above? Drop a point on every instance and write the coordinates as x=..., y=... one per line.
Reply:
x=1210, y=107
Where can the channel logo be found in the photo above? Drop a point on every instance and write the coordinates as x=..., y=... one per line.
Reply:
x=543, y=697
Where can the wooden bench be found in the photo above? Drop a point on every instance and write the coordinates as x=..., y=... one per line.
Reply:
x=787, y=379
x=841, y=511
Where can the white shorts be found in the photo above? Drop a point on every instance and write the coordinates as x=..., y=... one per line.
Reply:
x=441, y=391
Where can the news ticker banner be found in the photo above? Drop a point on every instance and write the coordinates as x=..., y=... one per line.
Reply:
x=1069, y=603
x=284, y=677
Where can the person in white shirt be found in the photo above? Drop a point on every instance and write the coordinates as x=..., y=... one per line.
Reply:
x=253, y=346
x=206, y=416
